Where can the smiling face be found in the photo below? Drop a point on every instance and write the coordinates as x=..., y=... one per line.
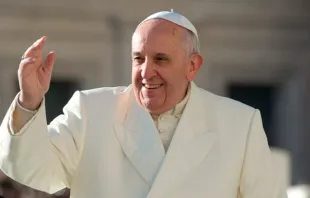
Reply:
x=161, y=64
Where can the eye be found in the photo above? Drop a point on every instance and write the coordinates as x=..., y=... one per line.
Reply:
x=138, y=59
x=161, y=58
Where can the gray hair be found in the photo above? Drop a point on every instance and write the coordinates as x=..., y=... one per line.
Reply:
x=192, y=42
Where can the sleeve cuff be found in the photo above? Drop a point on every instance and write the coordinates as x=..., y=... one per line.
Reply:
x=23, y=109
x=19, y=117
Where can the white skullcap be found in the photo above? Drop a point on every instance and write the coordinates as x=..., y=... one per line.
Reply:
x=174, y=18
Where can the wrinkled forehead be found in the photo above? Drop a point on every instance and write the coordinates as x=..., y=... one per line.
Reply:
x=158, y=34
x=157, y=26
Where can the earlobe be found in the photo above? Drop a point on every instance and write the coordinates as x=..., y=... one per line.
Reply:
x=192, y=73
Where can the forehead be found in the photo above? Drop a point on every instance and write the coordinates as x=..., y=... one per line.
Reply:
x=158, y=35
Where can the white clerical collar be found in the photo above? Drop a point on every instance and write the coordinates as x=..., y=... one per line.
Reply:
x=178, y=109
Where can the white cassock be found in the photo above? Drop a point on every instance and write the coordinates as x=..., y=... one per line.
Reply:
x=106, y=146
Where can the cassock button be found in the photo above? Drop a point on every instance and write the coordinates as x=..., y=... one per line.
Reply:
x=161, y=130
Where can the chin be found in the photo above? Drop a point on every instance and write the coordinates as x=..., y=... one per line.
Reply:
x=151, y=106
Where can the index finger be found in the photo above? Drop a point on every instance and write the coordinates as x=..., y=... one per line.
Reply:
x=35, y=49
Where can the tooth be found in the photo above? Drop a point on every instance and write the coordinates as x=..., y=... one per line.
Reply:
x=152, y=86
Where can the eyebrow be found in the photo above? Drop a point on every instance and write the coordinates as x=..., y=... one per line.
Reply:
x=157, y=54
x=161, y=54
x=136, y=53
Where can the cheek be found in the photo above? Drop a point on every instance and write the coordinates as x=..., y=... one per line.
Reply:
x=175, y=79
x=135, y=74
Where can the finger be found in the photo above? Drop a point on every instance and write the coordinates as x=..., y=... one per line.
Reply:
x=49, y=61
x=40, y=40
x=36, y=49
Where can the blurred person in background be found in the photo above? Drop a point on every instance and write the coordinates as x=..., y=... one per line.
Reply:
x=12, y=189
x=162, y=136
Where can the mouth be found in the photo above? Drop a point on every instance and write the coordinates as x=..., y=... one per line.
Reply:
x=152, y=86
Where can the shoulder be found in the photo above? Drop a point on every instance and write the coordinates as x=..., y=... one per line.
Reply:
x=232, y=118
x=104, y=91
x=100, y=96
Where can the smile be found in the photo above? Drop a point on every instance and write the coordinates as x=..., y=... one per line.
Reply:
x=152, y=86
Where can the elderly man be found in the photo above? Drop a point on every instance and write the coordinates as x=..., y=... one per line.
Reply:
x=162, y=136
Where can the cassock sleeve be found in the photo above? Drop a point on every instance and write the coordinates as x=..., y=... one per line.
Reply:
x=41, y=156
x=260, y=178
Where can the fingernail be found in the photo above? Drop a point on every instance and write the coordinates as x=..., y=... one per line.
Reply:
x=32, y=59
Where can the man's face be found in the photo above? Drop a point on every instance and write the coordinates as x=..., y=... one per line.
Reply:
x=161, y=65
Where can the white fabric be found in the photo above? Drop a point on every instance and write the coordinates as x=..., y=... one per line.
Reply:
x=106, y=145
x=174, y=18
x=166, y=123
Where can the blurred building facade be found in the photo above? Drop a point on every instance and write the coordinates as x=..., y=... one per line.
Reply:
x=255, y=51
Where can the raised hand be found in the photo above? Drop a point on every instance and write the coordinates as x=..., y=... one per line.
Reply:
x=34, y=75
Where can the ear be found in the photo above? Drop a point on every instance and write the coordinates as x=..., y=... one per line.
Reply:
x=195, y=64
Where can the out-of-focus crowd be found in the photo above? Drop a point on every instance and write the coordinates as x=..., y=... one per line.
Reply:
x=12, y=189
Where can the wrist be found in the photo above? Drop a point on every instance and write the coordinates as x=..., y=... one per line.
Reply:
x=29, y=102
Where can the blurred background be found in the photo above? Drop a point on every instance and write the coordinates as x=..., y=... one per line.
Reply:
x=255, y=51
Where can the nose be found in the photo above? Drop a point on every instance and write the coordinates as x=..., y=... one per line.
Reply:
x=148, y=70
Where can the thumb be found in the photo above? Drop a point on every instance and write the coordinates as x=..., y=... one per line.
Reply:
x=49, y=62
